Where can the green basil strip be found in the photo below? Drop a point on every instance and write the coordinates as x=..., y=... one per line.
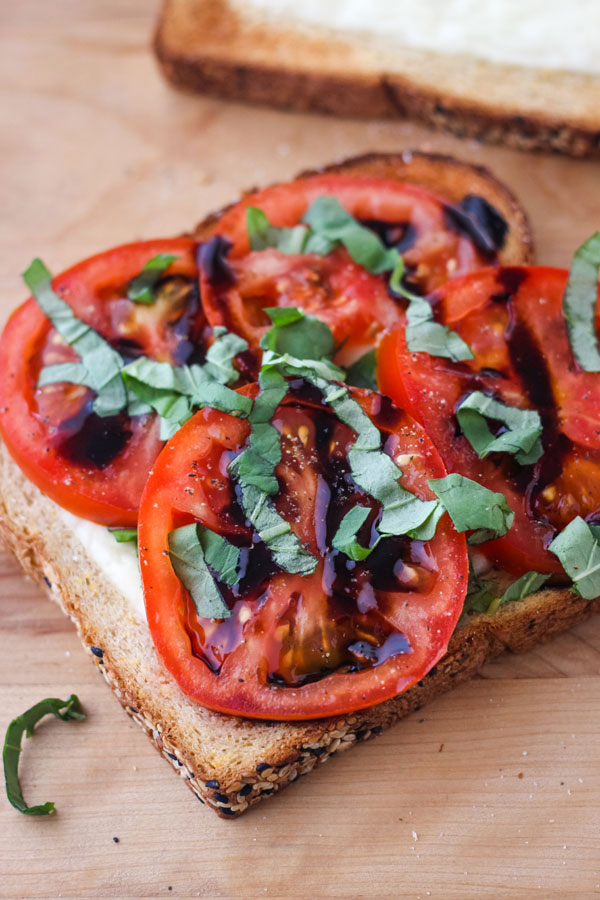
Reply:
x=66, y=710
x=578, y=549
x=298, y=334
x=124, y=535
x=424, y=335
x=192, y=549
x=100, y=367
x=363, y=372
x=141, y=288
x=522, y=437
x=579, y=304
x=527, y=584
x=254, y=469
x=176, y=392
x=345, y=539
x=473, y=507
x=291, y=241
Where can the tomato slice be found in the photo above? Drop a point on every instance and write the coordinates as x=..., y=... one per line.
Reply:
x=355, y=304
x=96, y=467
x=512, y=320
x=348, y=636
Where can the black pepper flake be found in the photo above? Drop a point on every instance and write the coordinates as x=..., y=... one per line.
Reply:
x=262, y=766
x=97, y=652
x=214, y=784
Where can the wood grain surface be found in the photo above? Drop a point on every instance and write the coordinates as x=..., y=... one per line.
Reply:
x=492, y=792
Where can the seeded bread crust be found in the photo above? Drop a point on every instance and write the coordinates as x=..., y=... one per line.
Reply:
x=232, y=763
x=444, y=175
x=211, y=47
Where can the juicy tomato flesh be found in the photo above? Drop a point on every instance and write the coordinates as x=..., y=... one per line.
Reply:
x=512, y=320
x=356, y=306
x=297, y=647
x=92, y=466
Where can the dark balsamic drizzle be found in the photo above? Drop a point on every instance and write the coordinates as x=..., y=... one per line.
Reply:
x=212, y=261
x=98, y=442
x=400, y=235
x=480, y=222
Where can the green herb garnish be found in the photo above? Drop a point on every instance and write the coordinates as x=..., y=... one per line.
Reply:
x=522, y=437
x=345, y=539
x=578, y=549
x=363, y=372
x=141, y=288
x=124, y=535
x=192, y=549
x=527, y=584
x=100, y=366
x=473, y=507
x=579, y=304
x=66, y=710
x=424, y=335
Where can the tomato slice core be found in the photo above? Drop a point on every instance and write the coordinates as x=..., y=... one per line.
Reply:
x=512, y=320
x=97, y=467
x=347, y=636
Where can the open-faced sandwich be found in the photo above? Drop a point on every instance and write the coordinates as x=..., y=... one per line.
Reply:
x=353, y=435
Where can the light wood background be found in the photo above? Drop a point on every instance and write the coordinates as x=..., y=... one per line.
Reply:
x=492, y=792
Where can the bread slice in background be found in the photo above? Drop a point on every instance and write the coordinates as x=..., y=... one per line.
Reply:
x=242, y=51
x=231, y=763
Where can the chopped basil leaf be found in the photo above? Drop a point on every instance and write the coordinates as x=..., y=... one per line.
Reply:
x=141, y=288
x=100, y=366
x=527, y=584
x=66, y=710
x=124, y=535
x=522, y=437
x=276, y=533
x=297, y=334
x=176, y=392
x=192, y=549
x=579, y=304
x=362, y=373
x=424, y=335
x=578, y=549
x=292, y=241
x=473, y=507
x=345, y=537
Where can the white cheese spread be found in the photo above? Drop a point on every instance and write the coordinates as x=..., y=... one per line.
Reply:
x=119, y=562
x=548, y=34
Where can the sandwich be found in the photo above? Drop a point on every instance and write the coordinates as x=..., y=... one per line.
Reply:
x=312, y=420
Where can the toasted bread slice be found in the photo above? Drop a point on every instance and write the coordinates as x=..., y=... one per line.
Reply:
x=255, y=53
x=231, y=763
x=443, y=175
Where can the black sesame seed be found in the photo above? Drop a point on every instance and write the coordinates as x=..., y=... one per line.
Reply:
x=377, y=729
x=172, y=756
x=318, y=751
x=213, y=783
x=221, y=798
x=97, y=652
x=116, y=840
x=247, y=789
x=226, y=811
x=48, y=582
x=262, y=766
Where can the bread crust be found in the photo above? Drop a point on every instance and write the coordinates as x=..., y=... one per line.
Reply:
x=450, y=178
x=233, y=763
x=208, y=46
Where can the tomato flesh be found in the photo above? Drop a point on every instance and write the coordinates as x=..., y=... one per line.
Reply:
x=347, y=636
x=512, y=320
x=356, y=305
x=96, y=467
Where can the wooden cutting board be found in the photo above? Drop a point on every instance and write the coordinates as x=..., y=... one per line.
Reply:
x=492, y=792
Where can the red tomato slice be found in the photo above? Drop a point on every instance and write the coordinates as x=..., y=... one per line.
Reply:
x=512, y=320
x=348, y=636
x=96, y=467
x=355, y=305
